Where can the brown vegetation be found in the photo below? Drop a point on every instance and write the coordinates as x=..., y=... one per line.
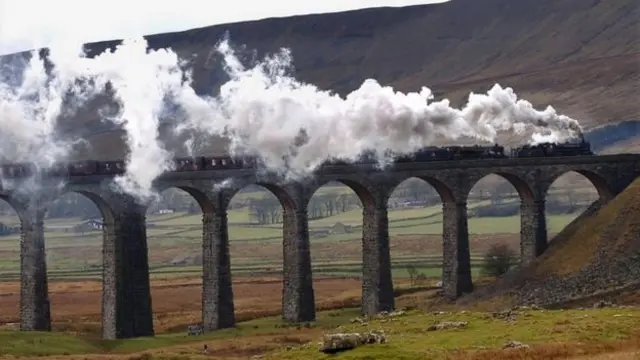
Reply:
x=597, y=254
x=75, y=305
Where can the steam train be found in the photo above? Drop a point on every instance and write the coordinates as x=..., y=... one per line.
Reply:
x=200, y=163
x=117, y=167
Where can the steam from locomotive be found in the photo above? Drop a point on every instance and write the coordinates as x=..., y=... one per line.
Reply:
x=288, y=125
x=294, y=125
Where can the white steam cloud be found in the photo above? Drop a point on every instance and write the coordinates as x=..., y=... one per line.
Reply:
x=292, y=126
x=32, y=102
x=295, y=125
x=141, y=81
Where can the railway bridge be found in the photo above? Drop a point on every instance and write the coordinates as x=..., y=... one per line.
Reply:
x=126, y=299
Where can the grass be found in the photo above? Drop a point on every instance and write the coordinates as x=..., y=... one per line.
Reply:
x=551, y=335
x=408, y=338
x=614, y=226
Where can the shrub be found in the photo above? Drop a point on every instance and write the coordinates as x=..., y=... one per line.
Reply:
x=498, y=260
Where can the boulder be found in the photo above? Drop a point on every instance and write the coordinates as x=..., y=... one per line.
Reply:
x=333, y=343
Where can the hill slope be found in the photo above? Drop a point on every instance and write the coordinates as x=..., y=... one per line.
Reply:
x=582, y=56
x=598, y=252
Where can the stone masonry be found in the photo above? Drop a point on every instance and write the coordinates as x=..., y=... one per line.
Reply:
x=34, y=294
x=126, y=308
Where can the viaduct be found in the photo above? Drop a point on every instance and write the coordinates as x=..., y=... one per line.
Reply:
x=126, y=298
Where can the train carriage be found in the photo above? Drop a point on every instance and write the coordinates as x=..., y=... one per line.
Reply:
x=112, y=167
x=186, y=164
x=17, y=170
x=84, y=168
x=58, y=169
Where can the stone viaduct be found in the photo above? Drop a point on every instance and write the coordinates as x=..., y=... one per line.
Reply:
x=126, y=299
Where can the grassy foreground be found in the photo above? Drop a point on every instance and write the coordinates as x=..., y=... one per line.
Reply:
x=551, y=335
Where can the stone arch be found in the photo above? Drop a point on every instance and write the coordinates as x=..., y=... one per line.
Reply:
x=105, y=209
x=297, y=292
x=284, y=197
x=524, y=190
x=206, y=205
x=280, y=192
x=108, y=264
x=525, y=233
x=421, y=244
x=597, y=181
x=325, y=225
x=15, y=306
x=362, y=191
x=377, y=284
x=443, y=190
x=19, y=210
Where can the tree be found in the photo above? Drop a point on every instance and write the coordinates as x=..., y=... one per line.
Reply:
x=412, y=271
x=498, y=260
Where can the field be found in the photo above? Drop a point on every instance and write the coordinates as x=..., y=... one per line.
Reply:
x=175, y=240
x=174, y=244
x=552, y=334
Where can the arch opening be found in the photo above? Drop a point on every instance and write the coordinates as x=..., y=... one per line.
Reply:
x=255, y=220
x=569, y=196
x=335, y=213
x=9, y=263
x=494, y=224
x=415, y=231
x=174, y=239
x=75, y=225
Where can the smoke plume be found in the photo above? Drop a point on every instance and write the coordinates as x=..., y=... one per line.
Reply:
x=292, y=126
x=143, y=83
x=297, y=126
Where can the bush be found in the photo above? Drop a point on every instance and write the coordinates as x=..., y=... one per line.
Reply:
x=498, y=260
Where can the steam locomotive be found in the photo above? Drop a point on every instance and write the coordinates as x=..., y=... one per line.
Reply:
x=199, y=163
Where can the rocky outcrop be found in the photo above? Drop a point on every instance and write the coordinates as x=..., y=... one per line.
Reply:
x=598, y=253
x=333, y=343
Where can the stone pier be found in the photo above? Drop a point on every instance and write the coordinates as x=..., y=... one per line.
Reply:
x=533, y=231
x=377, y=284
x=35, y=313
x=217, y=292
x=126, y=305
x=456, y=272
x=298, y=300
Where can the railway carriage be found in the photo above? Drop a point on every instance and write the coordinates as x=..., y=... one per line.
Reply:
x=112, y=167
x=17, y=170
x=84, y=168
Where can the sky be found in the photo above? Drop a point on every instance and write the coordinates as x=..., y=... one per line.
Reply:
x=28, y=24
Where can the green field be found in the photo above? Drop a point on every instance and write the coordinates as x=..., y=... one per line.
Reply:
x=257, y=248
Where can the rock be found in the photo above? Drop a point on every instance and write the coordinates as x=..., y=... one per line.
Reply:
x=447, y=325
x=602, y=304
x=385, y=314
x=333, y=343
x=195, y=330
x=507, y=315
x=515, y=345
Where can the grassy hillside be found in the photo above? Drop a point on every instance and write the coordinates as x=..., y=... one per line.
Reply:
x=580, y=56
x=597, y=254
